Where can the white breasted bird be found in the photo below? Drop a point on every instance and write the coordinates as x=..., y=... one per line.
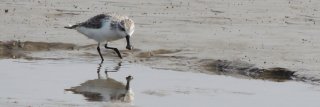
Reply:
x=106, y=28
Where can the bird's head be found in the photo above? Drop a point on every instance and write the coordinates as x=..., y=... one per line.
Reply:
x=126, y=29
x=126, y=26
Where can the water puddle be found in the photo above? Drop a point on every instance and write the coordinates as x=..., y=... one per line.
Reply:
x=78, y=83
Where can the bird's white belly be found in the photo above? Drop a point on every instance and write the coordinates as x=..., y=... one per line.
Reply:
x=101, y=34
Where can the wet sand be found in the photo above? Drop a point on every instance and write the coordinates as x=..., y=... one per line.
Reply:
x=206, y=40
x=276, y=33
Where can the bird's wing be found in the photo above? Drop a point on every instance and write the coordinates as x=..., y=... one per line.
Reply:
x=95, y=22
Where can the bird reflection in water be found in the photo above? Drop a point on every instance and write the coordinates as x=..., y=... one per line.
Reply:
x=106, y=89
x=115, y=69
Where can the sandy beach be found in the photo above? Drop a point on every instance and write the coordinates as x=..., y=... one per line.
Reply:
x=179, y=44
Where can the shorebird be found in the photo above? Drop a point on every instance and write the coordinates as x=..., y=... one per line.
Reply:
x=106, y=28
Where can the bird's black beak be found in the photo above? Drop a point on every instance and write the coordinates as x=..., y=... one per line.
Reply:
x=129, y=47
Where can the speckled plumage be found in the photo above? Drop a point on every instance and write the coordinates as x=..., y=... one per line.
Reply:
x=96, y=21
x=106, y=27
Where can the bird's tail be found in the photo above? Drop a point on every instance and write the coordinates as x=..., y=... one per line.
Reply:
x=71, y=26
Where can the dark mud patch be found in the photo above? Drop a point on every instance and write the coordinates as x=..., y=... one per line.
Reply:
x=172, y=60
x=18, y=49
x=225, y=67
x=149, y=54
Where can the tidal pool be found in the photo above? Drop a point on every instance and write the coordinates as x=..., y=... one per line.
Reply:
x=44, y=83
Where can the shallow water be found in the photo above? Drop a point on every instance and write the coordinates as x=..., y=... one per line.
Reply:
x=43, y=83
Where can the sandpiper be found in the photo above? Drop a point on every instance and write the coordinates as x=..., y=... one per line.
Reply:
x=106, y=28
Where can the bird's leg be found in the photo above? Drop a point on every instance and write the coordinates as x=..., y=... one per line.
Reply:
x=115, y=49
x=98, y=48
